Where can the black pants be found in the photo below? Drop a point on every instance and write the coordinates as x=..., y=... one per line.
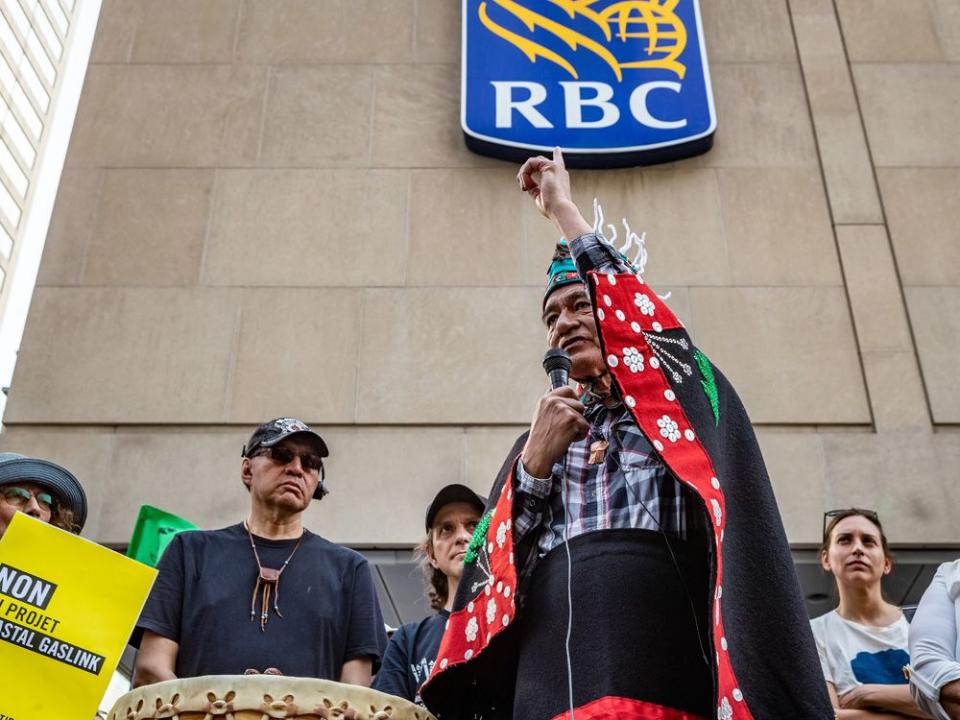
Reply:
x=639, y=631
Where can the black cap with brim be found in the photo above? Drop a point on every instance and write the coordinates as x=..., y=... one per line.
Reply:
x=270, y=433
x=451, y=494
x=16, y=468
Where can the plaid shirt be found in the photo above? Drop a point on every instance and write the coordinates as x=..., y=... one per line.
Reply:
x=630, y=488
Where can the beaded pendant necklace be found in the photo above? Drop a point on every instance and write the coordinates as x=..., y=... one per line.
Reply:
x=268, y=578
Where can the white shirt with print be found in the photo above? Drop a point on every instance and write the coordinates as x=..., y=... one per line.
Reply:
x=852, y=654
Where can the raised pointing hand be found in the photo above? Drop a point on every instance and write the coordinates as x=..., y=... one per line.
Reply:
x=548, y=183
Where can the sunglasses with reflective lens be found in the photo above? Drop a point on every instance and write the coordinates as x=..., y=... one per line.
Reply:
x=19, y=497
x=870, y=515
x=283, y=455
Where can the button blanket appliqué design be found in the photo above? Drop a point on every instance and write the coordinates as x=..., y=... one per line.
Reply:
x=656, y=410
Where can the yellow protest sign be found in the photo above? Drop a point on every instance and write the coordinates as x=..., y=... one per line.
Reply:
x=67, y=607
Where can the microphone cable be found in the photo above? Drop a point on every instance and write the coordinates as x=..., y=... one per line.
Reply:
x=566, y=545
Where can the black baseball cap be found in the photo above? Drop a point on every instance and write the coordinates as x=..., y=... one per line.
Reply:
x=270, y=433
x=451, y=494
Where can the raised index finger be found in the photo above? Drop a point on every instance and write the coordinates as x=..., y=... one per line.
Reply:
x=558, y=158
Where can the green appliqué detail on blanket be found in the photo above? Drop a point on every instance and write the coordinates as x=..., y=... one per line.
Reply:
x=709, y=384
x=477, y=540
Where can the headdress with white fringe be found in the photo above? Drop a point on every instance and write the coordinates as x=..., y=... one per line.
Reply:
x=562, y=270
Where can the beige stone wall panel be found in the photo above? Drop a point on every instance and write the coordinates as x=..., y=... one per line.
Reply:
x=451, y=355
x=796, y=466
x=822, y=56
x=847, y=169
x=381, y=481
x=318, y=117
x=897, y=396
x=438, y=31
x=873, y=288
x=308, y=228
x=297, y=355
x=910, y=113
x=116, y=31
x=924, y=219
x=71, y=226
x=166, y=31
x=168, y=116
x=790, y=352
x=186, y=31
x=331, y=31
x=935, y=316
x=475, y=227
x=150, y=228
x=777, y=227
x=762, y=117
x=730, y=27
x=195, y=475
x=891, y=369
x=894, y=30
x=844, y=157
x=136, y=355
x=416, y=119
x=946, y=14
x=485, y=452
x=911, y=480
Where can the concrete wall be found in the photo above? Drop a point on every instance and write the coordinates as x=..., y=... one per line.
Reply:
x=268, y=209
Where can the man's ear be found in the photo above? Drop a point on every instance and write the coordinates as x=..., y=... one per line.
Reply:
x=246, y=473
x=432, y=557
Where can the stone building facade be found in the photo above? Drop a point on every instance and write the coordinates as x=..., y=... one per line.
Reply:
x=268, y=208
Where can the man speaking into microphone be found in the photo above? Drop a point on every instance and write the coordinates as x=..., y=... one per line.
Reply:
x=631, y=563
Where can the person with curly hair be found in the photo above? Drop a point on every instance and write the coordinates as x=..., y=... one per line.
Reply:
x=40, y=489
x=451, y=519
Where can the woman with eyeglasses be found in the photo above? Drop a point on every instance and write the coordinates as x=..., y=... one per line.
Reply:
x=41, y=489
x=863, y=643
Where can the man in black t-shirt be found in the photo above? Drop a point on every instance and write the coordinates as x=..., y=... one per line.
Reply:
x=265, y=594
x=451, y=519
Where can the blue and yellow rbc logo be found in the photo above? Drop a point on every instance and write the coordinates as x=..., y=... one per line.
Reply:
x=612, y=82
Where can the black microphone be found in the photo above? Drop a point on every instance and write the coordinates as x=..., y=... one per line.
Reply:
x=556, y=363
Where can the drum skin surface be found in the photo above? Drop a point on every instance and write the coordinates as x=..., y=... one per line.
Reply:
x=261, y=697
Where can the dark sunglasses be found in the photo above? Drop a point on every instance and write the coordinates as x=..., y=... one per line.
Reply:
x=284, y=455
x=870, y=515
x=19, y=497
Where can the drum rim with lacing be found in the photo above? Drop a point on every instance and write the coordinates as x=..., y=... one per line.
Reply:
x=295, y=698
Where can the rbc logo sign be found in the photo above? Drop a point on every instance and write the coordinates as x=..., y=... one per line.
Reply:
x=612, y=82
